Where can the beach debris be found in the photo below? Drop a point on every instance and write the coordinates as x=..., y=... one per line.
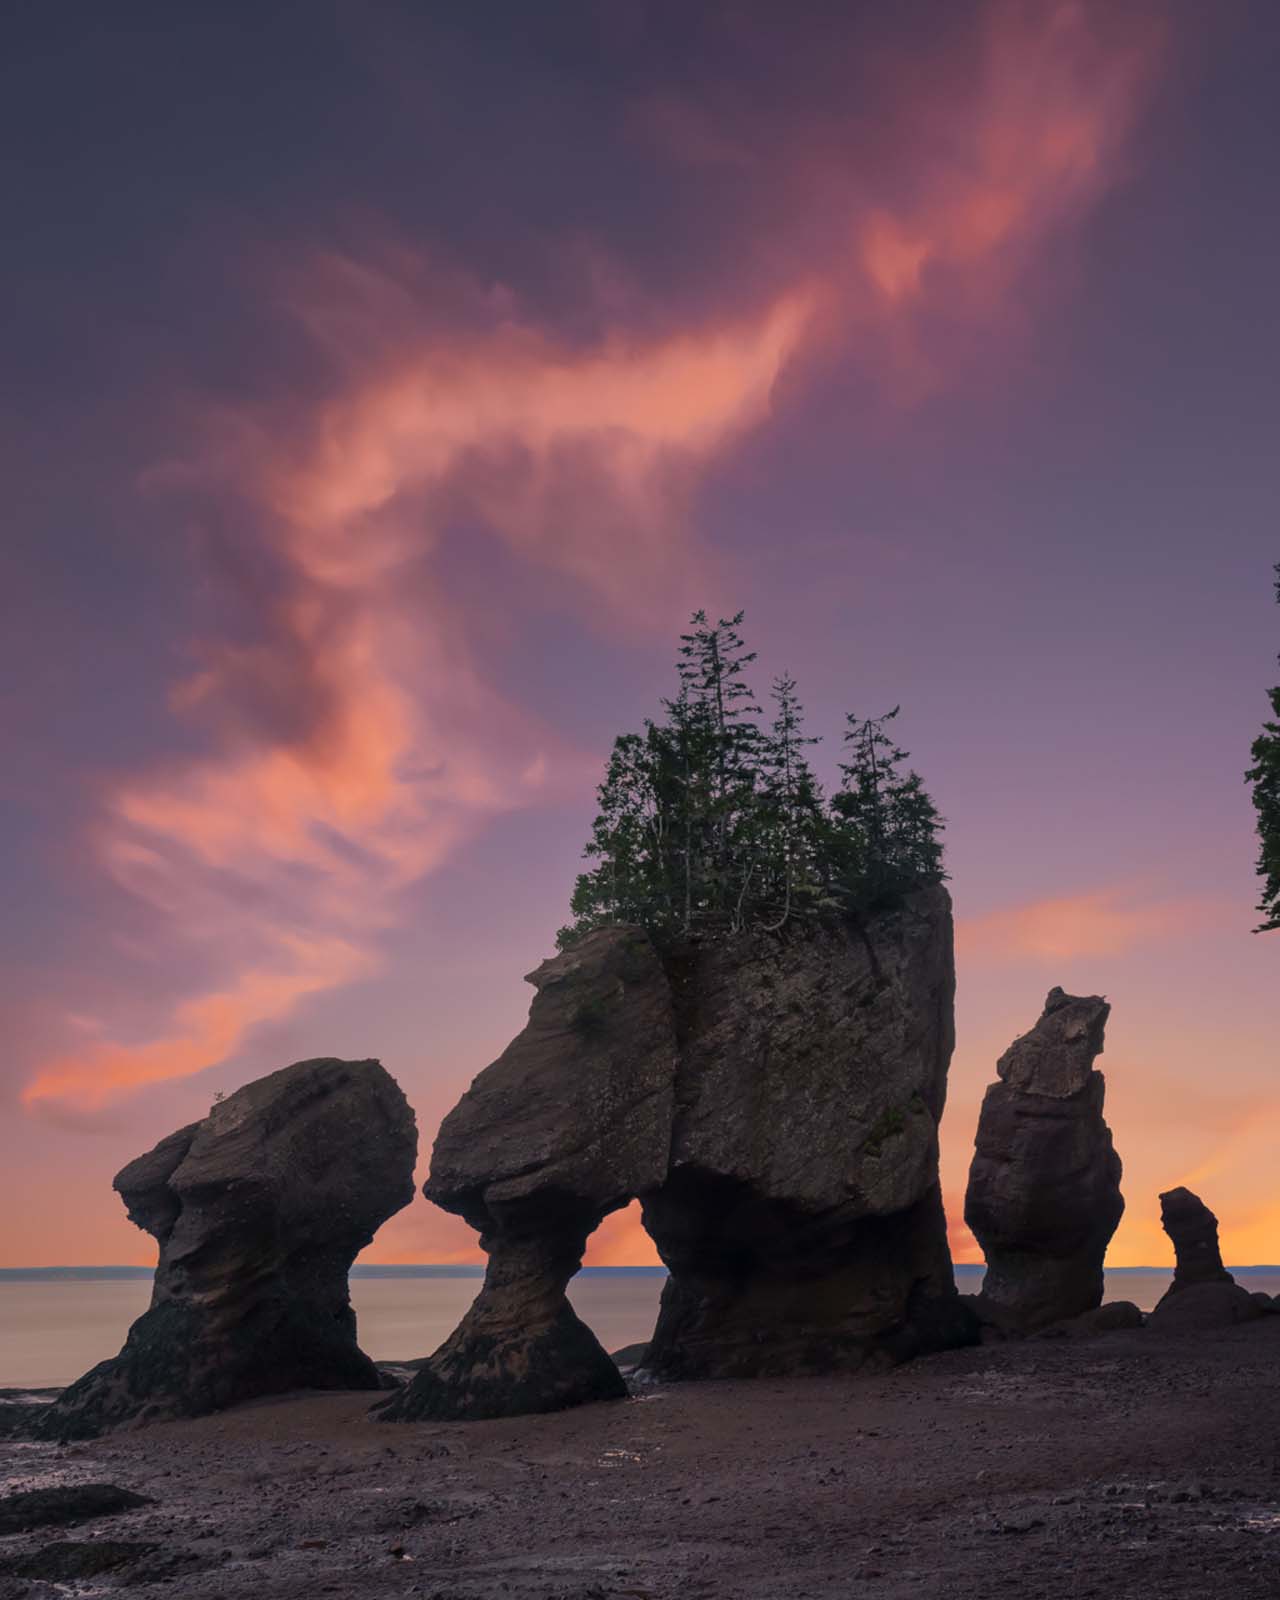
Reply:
x=1044, y=1187
x=259, y=1210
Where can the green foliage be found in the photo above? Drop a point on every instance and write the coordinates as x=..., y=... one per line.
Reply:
x=1264, y=775
x=708, y=820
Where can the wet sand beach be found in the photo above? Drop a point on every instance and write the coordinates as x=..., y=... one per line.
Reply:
x=1129, y=1464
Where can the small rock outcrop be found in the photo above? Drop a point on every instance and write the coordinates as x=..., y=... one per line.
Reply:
x=259, y=1210
x=1044, y=1188
x=1193, y=1228
x=1203, y=1294
x=774, y=1104
x=571, y=1121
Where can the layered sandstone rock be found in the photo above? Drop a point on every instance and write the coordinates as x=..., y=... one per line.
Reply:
x=774, y=1103
x=801, y=1217
x=259, y=1211
x=1044, y=1187
x=571, y=1121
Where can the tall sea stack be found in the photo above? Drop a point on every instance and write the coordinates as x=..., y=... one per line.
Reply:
x=772, y=1099
x=259, y=1211
x=1044, y=1187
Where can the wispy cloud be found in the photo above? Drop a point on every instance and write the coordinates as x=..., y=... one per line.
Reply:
x=350, y=740
x=1094, y=923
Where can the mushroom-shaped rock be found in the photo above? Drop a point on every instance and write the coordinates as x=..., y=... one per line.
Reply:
x=1044, y=1187
x=571, y=1121
x=259, y=1211
x=801, y=1219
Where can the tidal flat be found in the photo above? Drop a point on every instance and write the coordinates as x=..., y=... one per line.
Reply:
x=1061, y=1469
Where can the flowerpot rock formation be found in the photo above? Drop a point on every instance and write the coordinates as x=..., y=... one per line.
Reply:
x=259, y=1210
x=774, y=1104
x=1044, y=1187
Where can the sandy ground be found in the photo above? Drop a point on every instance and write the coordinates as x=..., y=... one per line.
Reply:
x=1123, y=1465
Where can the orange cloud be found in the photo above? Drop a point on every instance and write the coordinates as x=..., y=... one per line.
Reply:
x=1100, y=922
x=621, y=1241
x=355, y=743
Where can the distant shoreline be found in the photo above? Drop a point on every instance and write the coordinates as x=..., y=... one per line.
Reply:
x=461, y=1270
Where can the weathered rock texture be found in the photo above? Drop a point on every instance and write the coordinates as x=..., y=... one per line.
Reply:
x=259, y=1211
x=801, y=1217
x=1044, y=1187
x=571, y=1121
x=1193, y=1229
x=774, y=1103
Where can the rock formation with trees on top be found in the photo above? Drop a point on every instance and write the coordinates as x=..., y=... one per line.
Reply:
x=749, y=1029
x=259, y=1210
x=1044, y=1187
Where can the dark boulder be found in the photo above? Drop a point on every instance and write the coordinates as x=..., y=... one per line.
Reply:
x=571, y=1121
x=1203, y=1307
x=1044, y=1186
x=65, y=1505
x=259, y=1211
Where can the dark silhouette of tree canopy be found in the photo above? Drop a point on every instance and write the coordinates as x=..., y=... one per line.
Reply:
x=1264, y=775
x=710, y=821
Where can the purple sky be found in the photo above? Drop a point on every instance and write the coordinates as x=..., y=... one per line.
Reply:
x=384, y=388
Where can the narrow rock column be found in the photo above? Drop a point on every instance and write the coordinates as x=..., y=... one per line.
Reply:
x=1044, y=1187
x=1194, y=1231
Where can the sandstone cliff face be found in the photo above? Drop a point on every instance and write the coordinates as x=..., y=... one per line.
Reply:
x=259, y=1211
x=774, y=1102
x=571, y=1121
x=1044, y=1187
x=800, y=1216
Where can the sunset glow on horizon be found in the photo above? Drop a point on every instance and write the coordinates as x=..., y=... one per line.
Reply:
x=367, y=471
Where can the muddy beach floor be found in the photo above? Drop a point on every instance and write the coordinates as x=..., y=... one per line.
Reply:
x=1128, y=1464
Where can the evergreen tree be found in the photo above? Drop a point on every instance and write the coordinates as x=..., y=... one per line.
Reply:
x=1264, y=775
x=707, y=821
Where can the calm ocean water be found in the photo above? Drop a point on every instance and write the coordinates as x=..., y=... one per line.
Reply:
x=55, y=1323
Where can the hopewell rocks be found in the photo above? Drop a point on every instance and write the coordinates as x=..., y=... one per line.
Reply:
x=259, y=1211
x=571, y=1121
x=774, y=1104
x=1044, y=1187
x=1203, y=1293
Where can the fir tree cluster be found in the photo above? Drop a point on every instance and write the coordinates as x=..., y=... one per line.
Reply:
x=1264, y=776
x=710, y=821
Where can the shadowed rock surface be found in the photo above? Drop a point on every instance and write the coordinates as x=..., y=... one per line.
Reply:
x=1193, y=1229
x=801, y=1218
x=1200, y=1307
x=774, y=1102
x=65, y=1505
x=571, y=1121
x=1044, y=1187
x=259, y=1211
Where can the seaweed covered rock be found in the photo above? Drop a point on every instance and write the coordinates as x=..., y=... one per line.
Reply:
x=571, y=1121
x=801, y=1217
x=259, y=1210
x=1044, y=1187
